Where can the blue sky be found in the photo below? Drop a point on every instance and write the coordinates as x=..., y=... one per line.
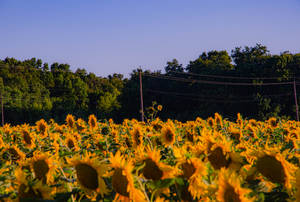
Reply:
x=108, y=36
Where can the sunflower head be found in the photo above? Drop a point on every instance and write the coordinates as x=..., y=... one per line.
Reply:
x=168, y=135
x=89, y=173
x=272, y=122
x=92, y=121
x=137, y=136
x=42, y=126
x=70, y=120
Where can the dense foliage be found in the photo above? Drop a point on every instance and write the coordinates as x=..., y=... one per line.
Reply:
x=201, y=160
x=32, y=90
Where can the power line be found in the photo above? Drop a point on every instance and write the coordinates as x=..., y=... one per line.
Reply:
x=216, y=82
x=228, y=77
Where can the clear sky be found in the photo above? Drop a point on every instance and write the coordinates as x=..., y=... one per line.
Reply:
x=108, y=36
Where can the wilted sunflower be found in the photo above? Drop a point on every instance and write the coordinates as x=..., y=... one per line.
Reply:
x=167, y=135
x=43, y=167
x=70, y=120
x=93, y=122
x=89, y=173
x=122, y=180
x=230, y=189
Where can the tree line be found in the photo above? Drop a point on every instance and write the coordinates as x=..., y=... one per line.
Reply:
x=250, y=81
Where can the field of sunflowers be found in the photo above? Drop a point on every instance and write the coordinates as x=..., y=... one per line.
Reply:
x=201, y=160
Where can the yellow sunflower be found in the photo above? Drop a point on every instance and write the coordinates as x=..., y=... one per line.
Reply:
x=168, y=135
x=71, y=143
x=272, y=164
x=137, y=136
x=28, y=139
x=42, y=127
x=29, y=190
x=43, y=167
x=93, y=122
x=13, y=153
x=230, y=189
x=122, y=180
x=154, y=169
x=89, y=173
x=70, y=120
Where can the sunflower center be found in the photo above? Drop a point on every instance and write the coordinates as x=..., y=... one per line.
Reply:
x=230, y=195
x=169, y=136
x=188, y=170
x=218, y=159
x=87, y=176
x=13, y=154
x=27, y=137
x=41, y=168
x=271, y=168
x=120, y=182
x=151, y=170
x=71, y=144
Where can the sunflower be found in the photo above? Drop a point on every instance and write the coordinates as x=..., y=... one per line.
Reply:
x=71, y=143
x=80, y=125
x=230, y=189
x=28, y=139
x=239, y=120
x=167, y=135
x=272, y=165
x=122, y=180
x=93, y=122
x=210, y=121
x=137, y=136
x=154, y=169
x=13, y=153
x=42, y=127
x=273, y=122
x=218, y=120
x=70, y=120
x=89, y=173
x=43, y=167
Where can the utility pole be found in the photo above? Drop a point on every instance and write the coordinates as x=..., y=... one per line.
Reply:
x=2, y=112
x=295, y=94
x=141, y=94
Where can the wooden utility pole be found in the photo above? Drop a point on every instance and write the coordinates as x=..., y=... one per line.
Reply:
x=2, y=111
x=295, y=94
x=141, y=95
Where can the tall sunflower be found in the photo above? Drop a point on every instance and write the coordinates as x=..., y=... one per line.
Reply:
x=70, y=120
x=122, y=180
x=89, y=173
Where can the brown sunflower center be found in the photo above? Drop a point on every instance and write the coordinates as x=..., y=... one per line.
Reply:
x=87, y=176
x=151, y=170
x=70, y=144
x=120, y=182
x=40, y=168
x=230, y=195
x=188, y=170
x=218, y=159
x=169, y=136
x=27, y=137
x=93, y=123
x=14, y=155
x=271, y=168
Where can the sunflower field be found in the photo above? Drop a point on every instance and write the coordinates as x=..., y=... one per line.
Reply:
x=201, y=160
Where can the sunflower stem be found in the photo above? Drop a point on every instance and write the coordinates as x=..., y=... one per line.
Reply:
x=143, y=188
x=69, y=186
